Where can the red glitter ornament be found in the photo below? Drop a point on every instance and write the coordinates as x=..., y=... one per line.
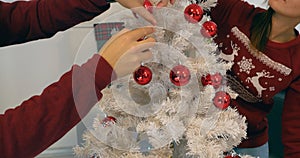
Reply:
x=148, y=5
x=180, y=75
x=221, y=100
x=193, y=13
x=232, y=156
x=108, y=120
x=214, y=80
x=206, y=80
x=143, y=75
x=209, y=29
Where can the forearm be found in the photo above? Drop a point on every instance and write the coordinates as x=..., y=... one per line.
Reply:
x=40, y=121
x=23, y=21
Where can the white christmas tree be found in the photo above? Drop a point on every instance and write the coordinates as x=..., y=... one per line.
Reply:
x=180, y=107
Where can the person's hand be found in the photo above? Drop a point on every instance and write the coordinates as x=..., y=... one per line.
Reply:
x=164, y=3
x=137, y=7
x=125, y=50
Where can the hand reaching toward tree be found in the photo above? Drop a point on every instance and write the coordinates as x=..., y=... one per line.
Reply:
x=125, y=51
x=137, y=7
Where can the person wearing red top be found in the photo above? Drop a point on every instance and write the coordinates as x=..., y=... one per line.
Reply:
x=40, y=121
x=264, y=47
x=23, y=21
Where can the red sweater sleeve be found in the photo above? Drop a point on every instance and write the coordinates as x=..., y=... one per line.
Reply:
x=40, y=121
x=23, y=21
x=290, y=121
x=231, y=13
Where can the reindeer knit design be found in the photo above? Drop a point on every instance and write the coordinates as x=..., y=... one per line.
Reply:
x=258, y=76
x=255, y=81
x=259, y=55
x=230, y=57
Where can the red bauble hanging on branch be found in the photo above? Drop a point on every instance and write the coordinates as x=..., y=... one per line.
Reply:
x=148, y=5
x=221, y=100
x=206, y=80
x=232, y=156
x=108, y=120
x=193, y=13
x=180, y=75
x=217, y=80
x=143, y=75
x=214, y=80
x=209, y=29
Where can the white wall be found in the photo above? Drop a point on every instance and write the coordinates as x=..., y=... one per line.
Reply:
x=28, y=68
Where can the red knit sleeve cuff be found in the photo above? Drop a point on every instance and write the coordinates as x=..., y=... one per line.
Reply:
x=101, y=71
x=104, y=73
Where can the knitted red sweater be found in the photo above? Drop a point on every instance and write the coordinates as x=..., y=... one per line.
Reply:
x=23, y=21
x=258, y=76
x=40, y=121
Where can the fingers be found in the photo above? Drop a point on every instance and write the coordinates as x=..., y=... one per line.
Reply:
x=141, y=47
x=148, y=40
x=145, y=55
x=143, y=12
x=164, y=3
x=115, y=36
x=137, y=7
x=129, y=62
x=139, y=33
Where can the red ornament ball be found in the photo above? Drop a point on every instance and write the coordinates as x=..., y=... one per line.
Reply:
x=180, y=75
x=232, y=156
x=148, y=5
x=214, y=80
x=209, y=29
x=143, y=75
x=193, y=13
x=108, y=120
x=221, y=100
x=206, y=80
